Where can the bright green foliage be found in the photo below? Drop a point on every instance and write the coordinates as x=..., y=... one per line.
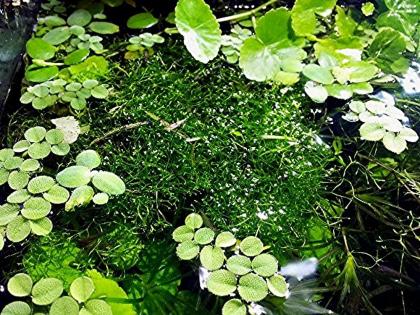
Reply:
x=221, y=282
x=81, y=289
x=251, y=246
x=212, y=258
x=142, y=44
x=141, y=20
x=239, y=265
x=16, y=308
x=20, y=285
x=265, y=265
x=252, y=288
x=64, y=305
x=194, y=221
x=225, y=239
x=204, y=236
x=278, y=286
x=234, y=307
x=46, y=291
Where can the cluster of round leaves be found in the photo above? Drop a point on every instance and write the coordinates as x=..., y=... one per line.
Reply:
x=236, y=267
x=76, y=94
x=232, y=43
x=141, y=43
x=382, y=122
x=47, y=294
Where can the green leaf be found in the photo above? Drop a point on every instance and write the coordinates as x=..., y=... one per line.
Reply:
x=41, y=74
x=196, y=22
x=204, y=236
x=39, y=151
x=183, y=233
x=13, y=163
x=286, y=78
x=79, y=17
x=360, y=71
x=403, y=16
x=187, y=250
x=20, y=285
x=368, y=8
x=35, y=134
x=40, y=184
x=239, y=264
x=53, y=21
x=88, y=158
x=372, y=131
x=56, y=194
x=234, y=307
x=100, y=92
x=344, y=23
x=251, y=246
x=316, y=92
x=41, y=227
x=21, y=146
x=92, y=68
x=54, y=136
x=194, y=221
x=212, y=258
x=362, y=88
x=17, y=308
x=18, y=229
x=81, y=289
x=409, y=135
x=64, y=305
x=318, y=74
x=18, y=196
x=357, y=106
x=76, y=56
x=108, y=182
x=18, y=180
x=6, y=154
x=81, y=196
x=74, y=176
x=221, y=282
x=100, y=198
x=30, y=165
x=252, y=288
x=225, y=239
x=141, y=20
x=8, y=213
x=96, y=307
x=342, y=92
x=40, y=49
x=57, y=35
x=265, y=265
x=278, y=286
x=60, y=149
x=394, y=143
x=36, y=208
x=104, y=27
x=46, y=291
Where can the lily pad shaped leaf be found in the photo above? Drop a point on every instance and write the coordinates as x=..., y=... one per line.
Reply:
x=18, y=229
x=316, y=92
x=37, y=75
x=252, y=288
x=40, y=184
x=225, y=239
x=372, y=131
x=18, y=196
x=18, y=180
x=88, y=158
x=204, y=236
x=104, y=27
x=183, y=233
x=318, y=74
x=76, y=56
x=20, y=285
x=394, y=143
x=278, y=286
x=21, y=146
x=17, y=308
x=202, y=35
x=81, y=289
x=100, y=198
x=187, y=250
x=8, y=213
x=74, y=176
x=96, y=307
x=79, y=197
x=35, y=134
x=40, y=49
x=194, y=221
x=141, y=20
x=79, y=17
x=221, y=282
x=108, y=182
x=41, y=227
x=239, y=265
x=212, y=258
x=265, y=265
x=30, y=165
x=39, y=150
x=65, y=305
x=251, y=246
x=36, y=208
x=409, y=135
x=54, y=136
x=234, y=307
x=57, y=35
x=46, y=291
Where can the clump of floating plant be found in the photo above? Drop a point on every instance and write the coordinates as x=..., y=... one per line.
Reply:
x=49, y=294
x=35, y=192
x=139, y=45
x=382, y=122
x=238, y=268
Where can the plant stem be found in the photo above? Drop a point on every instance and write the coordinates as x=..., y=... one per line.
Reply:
x=247, y=13
x=118, y=130
x=399, y=100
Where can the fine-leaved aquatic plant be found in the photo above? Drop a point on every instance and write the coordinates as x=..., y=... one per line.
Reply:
x=382, y=122
x=239, y=269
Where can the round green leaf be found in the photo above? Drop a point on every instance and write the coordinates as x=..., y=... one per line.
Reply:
x=17, y=308
x=225, y=239
x=234, y=307
x=81, y=289
x=318, y=74
x=79, y=197
x=141, y=20
x=36, y=208
x=88, y=158
x=60, y=149
x=6, y=154
x=204, y=236
x=372, y=131
x=18, y=196
x=251, y=246
x=357, y=106
x=65, y=305
x=183, y=233
x=100, y=92
x=30, y=165
x=96, y=307
x=409, y=135
x=20, y=285
x=100, y=198
x=79, y=17
x=212, y=258
x=40, y=184
x=76, y=56
x=194, y=221
x=13, y=163
x=54, y=136
x=41, y=227
x=376, y=107
x=394, y=143
x=342, y=92
x=53, y=21
x=362, y=88
x=252, y=288
x=265, y=265
x=56, y=194
x=57, y=35
x=187, y=250
x=43, y=74
x=239, y=264
x=4, y=176
x=90, y=84
x=108, y=182
x=221, y=282
x=39, y=150
x=316, y=92
x=21, y=146
x=278, y=286
x=8, y=212
x=104, y=27
x=40, y=49
x=18, y=229
x=18, y=180
x=46, y=291
x=74, y=176
x=196, y=22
